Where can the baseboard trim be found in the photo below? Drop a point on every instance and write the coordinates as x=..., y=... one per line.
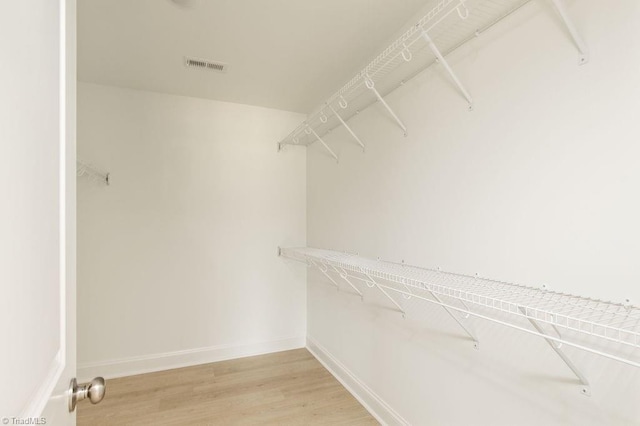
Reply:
x=367, y=397
x=132, y=366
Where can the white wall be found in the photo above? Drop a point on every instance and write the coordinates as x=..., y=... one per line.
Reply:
x=177, y=258
x=538, y=185
x=31, y=272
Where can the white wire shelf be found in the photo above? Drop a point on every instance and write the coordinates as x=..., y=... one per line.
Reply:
x=604, y=328
x=85, y=170
x=449, y=25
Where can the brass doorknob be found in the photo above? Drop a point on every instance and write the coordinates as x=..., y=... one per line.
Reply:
x=94, y=391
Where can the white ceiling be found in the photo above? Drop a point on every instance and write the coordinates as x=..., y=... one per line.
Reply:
x=285, y=54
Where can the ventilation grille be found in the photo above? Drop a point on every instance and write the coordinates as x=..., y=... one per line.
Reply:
x=205, y=64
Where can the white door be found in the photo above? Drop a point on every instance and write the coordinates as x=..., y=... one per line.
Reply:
x=37, y=210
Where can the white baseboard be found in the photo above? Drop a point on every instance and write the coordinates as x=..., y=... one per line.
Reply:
x=367, y=397
x=111, y=369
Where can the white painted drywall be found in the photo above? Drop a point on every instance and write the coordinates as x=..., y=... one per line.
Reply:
x=538, y=185
x=177, y=258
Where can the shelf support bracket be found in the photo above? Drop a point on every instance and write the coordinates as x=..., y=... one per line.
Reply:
x=446, y=66
x=371, y=86
x=309, y=130
x=573, y=31
x=385, y=293
x=346, y=126
x=586, y=389
x=324, y=272
x=343, y=275
x=476, y=343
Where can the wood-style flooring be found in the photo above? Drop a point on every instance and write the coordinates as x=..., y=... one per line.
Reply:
x=285, y=388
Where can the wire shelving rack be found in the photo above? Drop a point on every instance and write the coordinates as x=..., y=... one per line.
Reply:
x=447, y=26
x=86, y=170
x=605, y=328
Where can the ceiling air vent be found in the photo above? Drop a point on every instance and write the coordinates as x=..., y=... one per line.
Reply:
x=205, y=64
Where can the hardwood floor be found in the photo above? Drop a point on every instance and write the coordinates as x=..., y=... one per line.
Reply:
x=285, y=388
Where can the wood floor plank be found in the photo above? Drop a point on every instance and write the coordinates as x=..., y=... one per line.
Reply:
x=285, y=388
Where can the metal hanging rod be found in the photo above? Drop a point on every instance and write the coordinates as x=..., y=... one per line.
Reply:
x=447, y=26
x=604, y=328
x=84, y=169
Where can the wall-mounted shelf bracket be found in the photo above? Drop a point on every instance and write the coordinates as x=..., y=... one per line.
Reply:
x=452, y=314
x=557, y=347
x=84, y=169
x=371, y=86
x=323, y=269
x=371, y=280
x=346, y=126
x=309, y=130
x=343, y=274
x=476, y=343
x=573, y=31
x=446, y=66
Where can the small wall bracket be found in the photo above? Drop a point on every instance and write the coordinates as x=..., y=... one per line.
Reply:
x=446, y=66
x=400, y=308
x=84, y=169
x=343, y=274
x=371, y=86
x=310, y=130
x=346, y=126
x=324, y=272
x=573, y=31
x=476, y=343
x=452, y=314
x=586, y=388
